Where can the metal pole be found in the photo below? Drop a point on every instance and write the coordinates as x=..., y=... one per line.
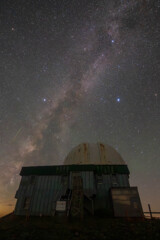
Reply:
x=150, y=210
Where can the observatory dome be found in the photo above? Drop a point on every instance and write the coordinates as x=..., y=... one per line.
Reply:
x=94, y=153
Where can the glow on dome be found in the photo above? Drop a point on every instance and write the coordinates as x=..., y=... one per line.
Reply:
x=94, y=153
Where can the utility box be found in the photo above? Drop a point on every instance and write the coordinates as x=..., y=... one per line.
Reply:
x=126, y=202
x=61, y=206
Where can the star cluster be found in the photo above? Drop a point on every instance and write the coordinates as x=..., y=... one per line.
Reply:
x=79, y=71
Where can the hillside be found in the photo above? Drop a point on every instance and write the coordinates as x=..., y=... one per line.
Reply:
x=47, y=228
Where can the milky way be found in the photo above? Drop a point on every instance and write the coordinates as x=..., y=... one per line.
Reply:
x=76, y=71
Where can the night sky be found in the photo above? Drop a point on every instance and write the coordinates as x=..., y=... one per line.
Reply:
x=79, y=71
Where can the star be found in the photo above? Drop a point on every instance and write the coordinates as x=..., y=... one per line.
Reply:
x=87, y=72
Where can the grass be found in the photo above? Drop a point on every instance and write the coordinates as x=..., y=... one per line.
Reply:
x=47, y=228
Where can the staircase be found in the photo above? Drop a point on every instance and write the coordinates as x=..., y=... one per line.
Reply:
x=67, y=198
x=77, y=197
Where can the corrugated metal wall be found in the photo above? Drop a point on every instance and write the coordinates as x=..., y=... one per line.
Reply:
x=90, y=183
x=43, y=194
x=44, y=191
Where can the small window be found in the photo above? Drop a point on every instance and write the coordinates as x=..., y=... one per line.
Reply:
x=99, y=179
x=26, y=203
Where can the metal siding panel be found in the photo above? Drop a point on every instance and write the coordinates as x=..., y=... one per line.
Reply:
x=54, y=185
x=24, y=189
x=42, y=190
x=126, y=180
x=123, y=180
x=37, y=205
x=107, y=182
x=59, y=190
x=88, y=183
x=18, y=193
x=70, y=180
x=120, y=180
x=52, y=191
x=107, y=185
x=33, y=196
x=43, y=194
x=38, y=196
x=100, y=201
x=51, y=194
x=45, y=205
x=19, y=196
x=47, y=195
x=22, y=194
x=18, y=205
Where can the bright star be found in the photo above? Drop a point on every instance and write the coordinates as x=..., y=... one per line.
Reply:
x=112, y=40
x=118, y=99
x=44, y=99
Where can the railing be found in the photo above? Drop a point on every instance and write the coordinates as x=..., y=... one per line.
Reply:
x=69, y=200
x=150, y=212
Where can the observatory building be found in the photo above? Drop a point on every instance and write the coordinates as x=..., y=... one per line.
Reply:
x=94, y=180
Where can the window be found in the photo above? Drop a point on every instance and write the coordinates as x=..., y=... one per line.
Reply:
x=26, y=203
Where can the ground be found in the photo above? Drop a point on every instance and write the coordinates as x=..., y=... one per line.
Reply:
x=47, y=228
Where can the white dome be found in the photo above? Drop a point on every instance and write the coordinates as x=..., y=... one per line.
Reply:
x=94, y=153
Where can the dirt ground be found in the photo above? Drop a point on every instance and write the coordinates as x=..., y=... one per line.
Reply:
x=47, y=228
